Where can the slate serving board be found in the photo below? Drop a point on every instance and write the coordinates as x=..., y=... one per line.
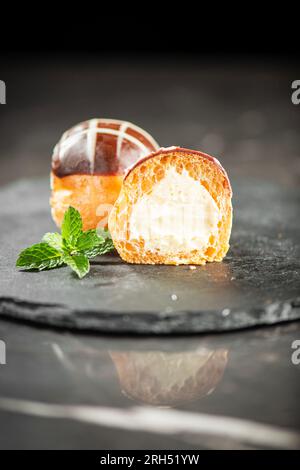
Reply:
x=257, y=284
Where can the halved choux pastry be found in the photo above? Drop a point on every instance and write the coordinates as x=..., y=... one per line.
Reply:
x=88, y=166
x=174, y=208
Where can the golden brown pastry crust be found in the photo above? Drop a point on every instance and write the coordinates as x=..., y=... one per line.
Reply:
x=140, y=180
x=92, y=195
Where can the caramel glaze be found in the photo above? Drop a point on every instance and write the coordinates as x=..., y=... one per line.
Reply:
x=76, y=161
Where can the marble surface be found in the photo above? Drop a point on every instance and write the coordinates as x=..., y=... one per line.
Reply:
x=62, y=390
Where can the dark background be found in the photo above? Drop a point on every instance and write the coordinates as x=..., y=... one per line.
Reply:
x=188, y=29
x=211, y=80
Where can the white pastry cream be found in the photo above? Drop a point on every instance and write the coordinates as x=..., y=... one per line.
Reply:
x=179, y=215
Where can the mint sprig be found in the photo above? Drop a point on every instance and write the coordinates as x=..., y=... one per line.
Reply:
x=73, y=247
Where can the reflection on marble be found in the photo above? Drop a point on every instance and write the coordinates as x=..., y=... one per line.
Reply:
x=154, y=377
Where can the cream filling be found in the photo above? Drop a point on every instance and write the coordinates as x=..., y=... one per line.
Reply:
x=179, y=215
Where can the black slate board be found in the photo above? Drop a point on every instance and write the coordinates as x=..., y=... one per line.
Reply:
x=257, y=284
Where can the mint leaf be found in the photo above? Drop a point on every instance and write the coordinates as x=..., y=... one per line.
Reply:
x=104, y=247
x=95, y=242
x=79, y=263
x=40, y=256
x=104, y=233
x=54, y=240
x=88, y=240
x=71, y=227
x=72, y=247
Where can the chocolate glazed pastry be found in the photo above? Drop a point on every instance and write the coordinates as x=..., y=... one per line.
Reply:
x=88, y=165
